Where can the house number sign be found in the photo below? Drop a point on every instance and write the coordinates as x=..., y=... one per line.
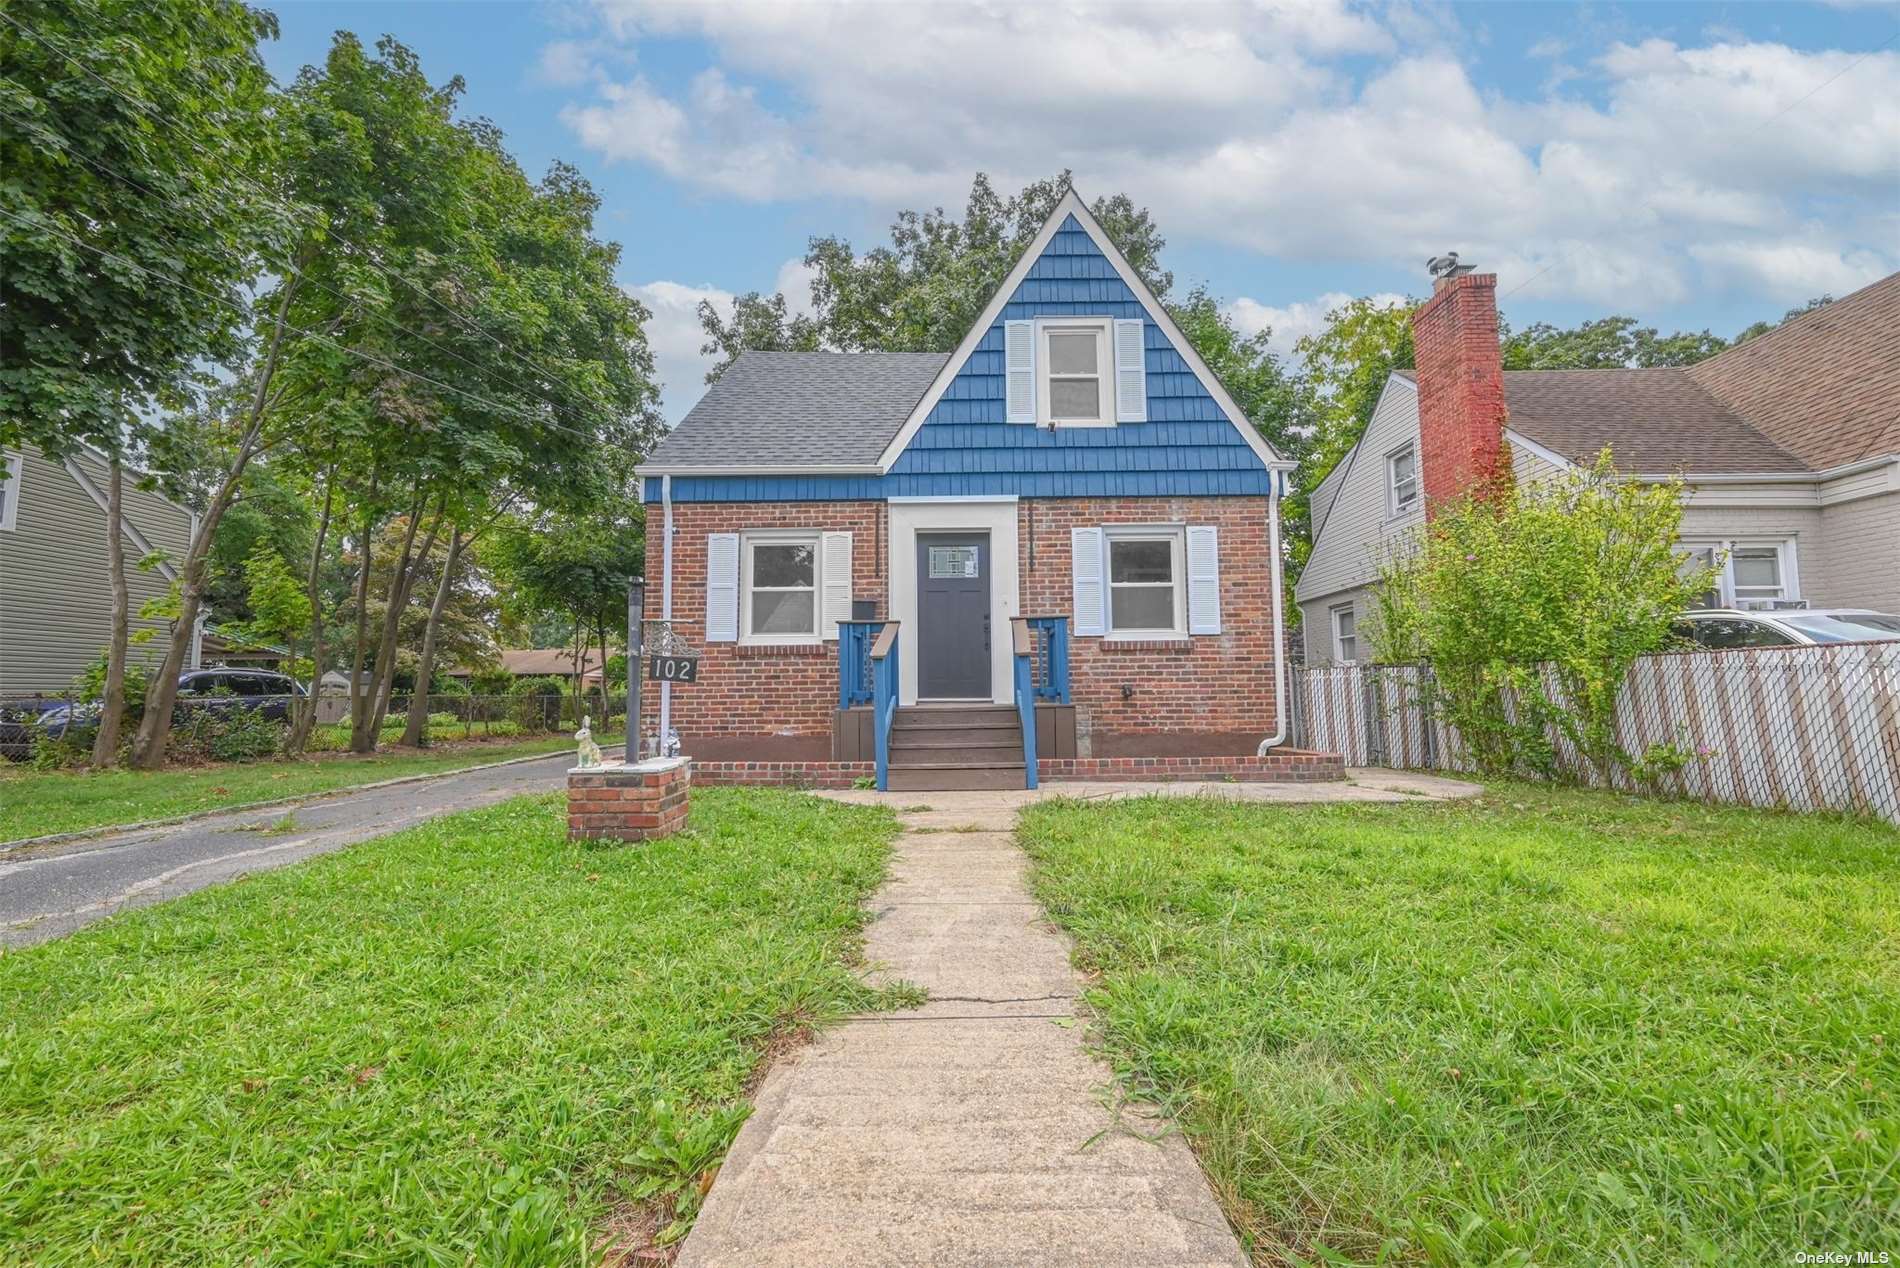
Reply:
x=673, y=668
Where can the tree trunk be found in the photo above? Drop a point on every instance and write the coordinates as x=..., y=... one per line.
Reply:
x=105, y=745
x=359, y=707
x=382, y=675
x=148, y=746
x=417, y=730
x=306, y=715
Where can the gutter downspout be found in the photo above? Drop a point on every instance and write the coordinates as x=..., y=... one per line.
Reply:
x=666, y=601
x=1279, y=622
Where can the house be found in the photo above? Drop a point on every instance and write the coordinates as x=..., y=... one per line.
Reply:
x=541, y=662
x=1788, y=446
x=55, y=586
x=877, y=551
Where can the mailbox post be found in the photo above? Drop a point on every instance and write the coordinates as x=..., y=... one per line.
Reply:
x=636, y=668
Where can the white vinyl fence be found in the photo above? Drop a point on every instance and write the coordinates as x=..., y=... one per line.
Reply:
x=1810, y=728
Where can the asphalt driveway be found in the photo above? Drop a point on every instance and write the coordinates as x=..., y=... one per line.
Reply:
x=49, y=891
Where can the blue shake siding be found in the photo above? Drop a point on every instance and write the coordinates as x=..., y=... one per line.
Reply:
x=1187, y=448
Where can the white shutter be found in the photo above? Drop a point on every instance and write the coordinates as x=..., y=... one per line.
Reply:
x=1131, y=373
x=1085, y=566
x=722, y=587
x=1019, y=370
x=837, y=583
x=1203, y=569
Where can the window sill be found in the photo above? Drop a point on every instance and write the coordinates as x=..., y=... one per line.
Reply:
x=784, y=649
x=1145, y=643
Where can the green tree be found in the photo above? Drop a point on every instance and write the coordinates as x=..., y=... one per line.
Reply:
x=1604, y=344
x=1763, y=327
x=124, y=244
x=759, y=323
x=280, y=613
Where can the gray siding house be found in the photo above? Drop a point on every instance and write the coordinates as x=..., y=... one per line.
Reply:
x=55, y=593
x=1788, y=446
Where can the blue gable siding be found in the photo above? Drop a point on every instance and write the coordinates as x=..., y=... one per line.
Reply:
x=1187, y=448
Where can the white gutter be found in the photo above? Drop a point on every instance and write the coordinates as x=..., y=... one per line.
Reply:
x=729, y=469
x=1776, y=477
x=1279, y=621
x=666, y=600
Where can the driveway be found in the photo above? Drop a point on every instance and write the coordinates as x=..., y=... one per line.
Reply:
x=49, y=891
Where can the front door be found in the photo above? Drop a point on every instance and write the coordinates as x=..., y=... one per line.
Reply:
x=953, y=616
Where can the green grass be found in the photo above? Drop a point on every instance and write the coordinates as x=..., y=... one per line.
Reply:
x=464, y=1043
x=1546, y=1027
x=38, y=803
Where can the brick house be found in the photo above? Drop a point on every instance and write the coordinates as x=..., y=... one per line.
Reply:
x=1788, y=447
x=1064, y=535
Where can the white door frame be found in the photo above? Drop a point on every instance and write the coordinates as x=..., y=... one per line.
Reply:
x=997, y=516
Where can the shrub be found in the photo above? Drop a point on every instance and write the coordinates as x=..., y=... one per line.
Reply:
x=227, y=735
x=543, y=686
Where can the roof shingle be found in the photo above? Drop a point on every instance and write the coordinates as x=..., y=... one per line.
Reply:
x=1655, y=422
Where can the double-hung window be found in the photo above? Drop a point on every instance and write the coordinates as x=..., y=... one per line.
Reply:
x=780, y=589
x=1077, y=367
x=1401, y=466
x=10, y=464
x=1758, y=573
x=1145, y=589
x=1345, y=634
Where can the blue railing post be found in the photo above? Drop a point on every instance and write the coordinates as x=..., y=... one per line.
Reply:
x=854, y=661
x=1026, y=693
x=886, y=677
x=1052, y=657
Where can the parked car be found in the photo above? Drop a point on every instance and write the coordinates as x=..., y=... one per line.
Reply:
x=1720, y=628
x=262, y=690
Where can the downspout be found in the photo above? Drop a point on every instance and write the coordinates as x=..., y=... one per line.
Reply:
x=666, y=602
x=1279, y=622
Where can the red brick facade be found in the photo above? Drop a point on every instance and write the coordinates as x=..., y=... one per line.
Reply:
x=1460, y=389
x=628, y=803
x=1206, y=695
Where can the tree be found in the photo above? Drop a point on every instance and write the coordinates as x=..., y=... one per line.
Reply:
x=124, y=242
x=280, y=613
x=923, y=290
x=1603, y=344
x=1578, y=574
x=1763, y=327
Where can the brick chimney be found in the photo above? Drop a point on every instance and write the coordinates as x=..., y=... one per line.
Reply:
x=1460, y=388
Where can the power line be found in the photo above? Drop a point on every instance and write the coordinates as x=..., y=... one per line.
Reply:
x=368, y=255
x=305, y=331
x=389, y=322
x=1568, y=255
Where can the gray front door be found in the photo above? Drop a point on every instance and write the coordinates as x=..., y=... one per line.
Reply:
x=953, y=616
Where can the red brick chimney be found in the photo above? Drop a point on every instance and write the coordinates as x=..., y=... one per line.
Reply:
x=1460, y=388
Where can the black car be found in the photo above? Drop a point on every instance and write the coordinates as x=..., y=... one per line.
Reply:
x=263, y=690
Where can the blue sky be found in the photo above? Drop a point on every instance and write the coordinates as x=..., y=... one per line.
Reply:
x=1690, y=164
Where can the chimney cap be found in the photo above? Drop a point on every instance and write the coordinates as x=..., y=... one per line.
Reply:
x=1445, y=267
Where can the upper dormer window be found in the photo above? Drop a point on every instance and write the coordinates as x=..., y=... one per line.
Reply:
x=1402, y=479
x=1076, y=371
x=1074, y=380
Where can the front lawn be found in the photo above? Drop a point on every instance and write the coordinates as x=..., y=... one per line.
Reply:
x=1545, y=1027
x=39, y=803
x=465, y=1043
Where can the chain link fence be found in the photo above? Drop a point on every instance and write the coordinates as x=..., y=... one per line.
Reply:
x=1806, y=728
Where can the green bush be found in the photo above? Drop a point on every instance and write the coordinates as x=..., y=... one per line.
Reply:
x=225, y=735
x=543, y=686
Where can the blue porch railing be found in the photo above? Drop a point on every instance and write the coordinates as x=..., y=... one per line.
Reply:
x=1050, y=653
x=854, y=661
x=1026, y=694
x=886, y=674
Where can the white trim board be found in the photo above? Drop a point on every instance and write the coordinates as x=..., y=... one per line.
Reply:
x=1072, y=205
x=998, y=517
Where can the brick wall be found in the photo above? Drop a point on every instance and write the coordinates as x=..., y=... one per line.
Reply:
x=1460, y=389
x=1210, y=694
x=754, y=703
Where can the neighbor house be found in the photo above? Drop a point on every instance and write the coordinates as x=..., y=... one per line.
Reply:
x=540, y=662
x=1788, y=446
x=1070, y=495
x=55, y=586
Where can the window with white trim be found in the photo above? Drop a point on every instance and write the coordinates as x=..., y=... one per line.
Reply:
x=780, y=588
x=1146, y=584
x=1345, y=634
x=1401, y=482
x=10, y=464
x=1750, y=572
x=1076, y=370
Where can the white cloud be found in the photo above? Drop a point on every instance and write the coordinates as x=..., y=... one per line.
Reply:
x=674, y=334
x=565, y=64
x=1686, y=170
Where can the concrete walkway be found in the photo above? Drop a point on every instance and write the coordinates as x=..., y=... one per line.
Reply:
x=975, y=1130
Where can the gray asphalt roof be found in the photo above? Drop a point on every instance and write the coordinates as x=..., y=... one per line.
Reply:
x=784, y=410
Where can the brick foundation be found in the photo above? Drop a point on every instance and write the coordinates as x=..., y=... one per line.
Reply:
x=1282, y=766
x=629, y=803
x=792, y=774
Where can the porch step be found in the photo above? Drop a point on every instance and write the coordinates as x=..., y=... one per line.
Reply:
x=942, y=747
x=948, y=777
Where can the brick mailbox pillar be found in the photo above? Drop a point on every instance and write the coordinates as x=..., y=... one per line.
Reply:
x=621, y=802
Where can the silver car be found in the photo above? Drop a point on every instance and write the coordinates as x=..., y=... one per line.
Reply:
x=1719, y=628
